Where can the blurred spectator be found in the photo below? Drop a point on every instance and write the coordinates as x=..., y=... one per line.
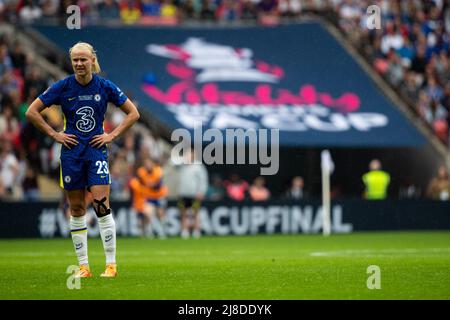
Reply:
x=30, y=12
x=23, y=107
x=435, y=112
x=296, y=190
x=5, y=60
x=54, y=155
x=9, y=83
x=190, y=8
x=208, y=9
x=433, y=89
x=151, y=145
x=140, y=206
x=392, y=39
x=192, y=187
x=34, y=80
x=406, y=52
x=442, y=65
x=108, y=9
x=49, y=7
x=236, y=188
x=419, y=62
x=9, y=126
x=216, y=191
x=267, y=12
x=376, y=181
x=267, y=6
x=150, y=8
x=30, y=184
x=45, y=144
x=410, y=87
x=9, y=168
x=408, y=190
x=118, y=182
x=148, y=196
x=122, y=168
x=258, y=190
x=439, y=187
x=130, y=11
x=117, y=117
x=436, y=115
x=289, y=8
x=168, y=9
x=152, y=174
x=349, y=14
x=395, y=71
x=228, y=10
x=18, y=57
x=129, y=146
x=248, y=10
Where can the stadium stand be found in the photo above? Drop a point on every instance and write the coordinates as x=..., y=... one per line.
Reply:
x=26, y=148
x=410, y=52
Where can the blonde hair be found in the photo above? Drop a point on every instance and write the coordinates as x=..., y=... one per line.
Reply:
x=96, y=67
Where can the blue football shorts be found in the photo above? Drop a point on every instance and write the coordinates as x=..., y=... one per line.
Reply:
x=159, y=203
x=76, y=174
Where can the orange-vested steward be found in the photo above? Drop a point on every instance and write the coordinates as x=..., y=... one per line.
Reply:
x=141, y=193
x=153, y=178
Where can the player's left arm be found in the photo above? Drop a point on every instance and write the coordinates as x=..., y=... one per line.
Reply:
x=132, y=116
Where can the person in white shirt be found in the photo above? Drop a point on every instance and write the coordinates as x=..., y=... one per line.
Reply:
x=192, y=187
x=9, y=168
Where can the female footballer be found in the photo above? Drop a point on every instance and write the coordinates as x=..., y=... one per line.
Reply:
x=83, y=98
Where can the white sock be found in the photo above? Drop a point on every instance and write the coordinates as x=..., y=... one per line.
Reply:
x=107, y=228
x=196, y=234
x=184, y=233
x=78, y=230
x=148, y=230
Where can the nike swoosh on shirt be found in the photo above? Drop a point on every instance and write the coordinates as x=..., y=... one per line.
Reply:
x=70, y=99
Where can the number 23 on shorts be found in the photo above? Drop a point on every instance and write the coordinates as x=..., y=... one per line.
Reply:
x=102, y=169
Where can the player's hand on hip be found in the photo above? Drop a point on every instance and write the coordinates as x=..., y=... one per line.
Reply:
x=100, y=140
x=67, y=140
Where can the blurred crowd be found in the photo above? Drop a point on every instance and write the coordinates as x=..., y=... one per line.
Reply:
x=149, y=11
x=23, y=150
x=26, y=153
x=236, y=188
x=410, y=50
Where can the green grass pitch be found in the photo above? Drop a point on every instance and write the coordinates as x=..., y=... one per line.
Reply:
x=413, y=265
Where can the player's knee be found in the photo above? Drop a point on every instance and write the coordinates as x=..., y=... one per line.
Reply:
x=77, y=210
x=184, y=214
x=100, y=207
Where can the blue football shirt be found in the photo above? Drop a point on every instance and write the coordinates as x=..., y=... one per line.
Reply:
x=84, y=108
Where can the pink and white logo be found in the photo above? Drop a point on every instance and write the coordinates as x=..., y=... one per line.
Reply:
x=199, y=68
x=215, y=62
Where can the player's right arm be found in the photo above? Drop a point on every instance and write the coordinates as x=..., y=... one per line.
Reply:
x=34, y=115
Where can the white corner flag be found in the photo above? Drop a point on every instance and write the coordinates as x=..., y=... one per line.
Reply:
x=327, y=169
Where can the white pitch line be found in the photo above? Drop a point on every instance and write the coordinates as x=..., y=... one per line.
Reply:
x=122, y=253
x=370, y=252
